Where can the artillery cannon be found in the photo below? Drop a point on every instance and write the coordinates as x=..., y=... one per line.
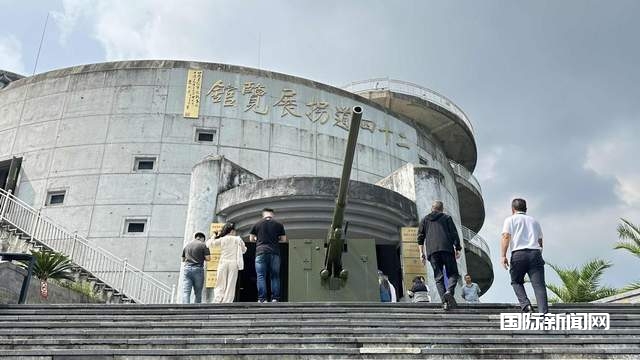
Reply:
x=336, y=235
x=310, y=278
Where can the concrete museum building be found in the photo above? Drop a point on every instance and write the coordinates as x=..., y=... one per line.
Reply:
x=132, y=157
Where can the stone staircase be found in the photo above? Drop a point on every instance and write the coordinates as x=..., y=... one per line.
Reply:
x=304, y=330
x=23, y=228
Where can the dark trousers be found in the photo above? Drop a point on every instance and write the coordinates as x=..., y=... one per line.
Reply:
x=529, y=261
x=440, y=260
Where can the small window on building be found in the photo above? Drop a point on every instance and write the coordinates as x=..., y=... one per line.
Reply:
x=135, y=226
x=55, y=197
x=205, y=135
x=422, y=161
x=144, y=163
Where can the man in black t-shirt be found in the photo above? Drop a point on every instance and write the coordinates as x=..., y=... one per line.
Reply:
x=267, y=234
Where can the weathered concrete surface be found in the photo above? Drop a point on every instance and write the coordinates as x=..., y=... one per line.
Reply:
x=450, y=130
x=479, y=265
x=305, y=206
x=472, y=210
x=628, y=297
x=81, y=128
x=211, y=176
x=426, y=184
x=11, y=277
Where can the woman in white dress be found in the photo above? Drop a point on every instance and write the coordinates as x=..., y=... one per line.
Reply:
x=231, y=249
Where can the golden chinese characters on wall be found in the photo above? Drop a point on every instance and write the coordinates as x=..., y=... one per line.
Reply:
x=192, y=94
x=252, y=96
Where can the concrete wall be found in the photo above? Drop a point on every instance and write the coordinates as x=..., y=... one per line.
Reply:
x=424, y=184
x=628, y=297
x=11, y=278
x=79, y=130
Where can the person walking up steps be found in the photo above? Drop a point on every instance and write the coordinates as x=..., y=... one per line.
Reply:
x=440, y=245
x=231, y=249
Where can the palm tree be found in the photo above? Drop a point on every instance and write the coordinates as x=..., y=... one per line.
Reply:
x=50, y=265
x=581, y=284
x=630, y=234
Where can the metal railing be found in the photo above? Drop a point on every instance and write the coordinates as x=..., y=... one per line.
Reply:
x=113, y=271
x=475, y=239
x=405, y=87
x=465, y=174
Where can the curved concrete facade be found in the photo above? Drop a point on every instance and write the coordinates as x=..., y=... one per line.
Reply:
x=82, y=130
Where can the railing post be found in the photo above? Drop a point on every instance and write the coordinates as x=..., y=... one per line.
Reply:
x=73, y=245
x=173, y=291
x=34, y=227
x=124, y=274
x=5, y=204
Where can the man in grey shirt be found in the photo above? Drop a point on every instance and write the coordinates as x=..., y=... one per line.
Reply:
x=194, y=254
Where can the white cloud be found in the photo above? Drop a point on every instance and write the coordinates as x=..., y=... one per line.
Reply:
x=69, y=17
x=486, y=169
x=571, y=239
x=615, y=156
x=190, y=30
x=11, y=54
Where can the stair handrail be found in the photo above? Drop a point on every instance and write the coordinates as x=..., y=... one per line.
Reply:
x=475, y=239
x=106, y=267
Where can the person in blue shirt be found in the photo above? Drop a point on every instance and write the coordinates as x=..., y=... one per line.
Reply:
x=470, y=290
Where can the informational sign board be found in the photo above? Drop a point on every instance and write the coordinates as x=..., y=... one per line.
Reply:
x=192, y=94
x=411, y=261
x=212, y=265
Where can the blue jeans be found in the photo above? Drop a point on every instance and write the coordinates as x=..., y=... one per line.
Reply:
x=268, y=263
x=192, y=277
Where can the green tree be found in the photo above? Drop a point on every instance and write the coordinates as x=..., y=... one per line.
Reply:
x=50, y=265
x=630, y=236
x=581, y=284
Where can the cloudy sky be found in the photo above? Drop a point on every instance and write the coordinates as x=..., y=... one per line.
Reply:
x=552, y=87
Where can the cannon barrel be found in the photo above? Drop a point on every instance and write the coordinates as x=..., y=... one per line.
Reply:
x=335, y=240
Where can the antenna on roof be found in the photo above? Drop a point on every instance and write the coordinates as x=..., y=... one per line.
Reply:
x=259, y=48
x=44, y=29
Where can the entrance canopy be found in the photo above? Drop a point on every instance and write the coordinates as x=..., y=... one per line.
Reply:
x=305, y=206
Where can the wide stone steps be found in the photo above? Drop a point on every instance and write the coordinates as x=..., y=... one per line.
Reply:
x=303, y=330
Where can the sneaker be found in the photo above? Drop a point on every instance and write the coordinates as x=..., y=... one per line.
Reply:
x=527, y=309
x=274, y=300
x=261, y=301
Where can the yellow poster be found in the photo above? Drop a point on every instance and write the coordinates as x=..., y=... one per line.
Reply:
x=411, y=261
x=409, y=234
x=212, y=265
x=192, y=94
x=211, y=279
x=215, y=227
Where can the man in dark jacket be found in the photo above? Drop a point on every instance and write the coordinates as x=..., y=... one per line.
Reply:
x=440, y=244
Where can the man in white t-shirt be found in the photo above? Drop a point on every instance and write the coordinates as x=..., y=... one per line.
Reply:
x=523, y=234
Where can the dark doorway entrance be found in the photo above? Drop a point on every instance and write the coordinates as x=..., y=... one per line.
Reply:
x=246, y=288
x=9, y=170
x=388, y=257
